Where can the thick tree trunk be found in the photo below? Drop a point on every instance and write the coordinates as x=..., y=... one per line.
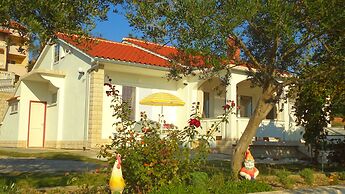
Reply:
x=263, y=107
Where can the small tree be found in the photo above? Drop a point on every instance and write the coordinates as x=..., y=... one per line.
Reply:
x=321, y=90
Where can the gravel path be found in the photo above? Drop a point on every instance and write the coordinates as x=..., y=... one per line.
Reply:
x=11, y=165
x=336, y=189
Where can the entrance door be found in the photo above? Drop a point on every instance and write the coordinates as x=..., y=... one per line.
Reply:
x=37, y=124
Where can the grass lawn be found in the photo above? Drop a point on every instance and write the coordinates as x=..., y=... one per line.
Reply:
x=289, y=176
x=52, y=156
x=271, y=177
x=34, y=182
x=41, y=182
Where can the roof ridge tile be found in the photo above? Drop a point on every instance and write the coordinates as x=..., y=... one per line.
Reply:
x=147, y=42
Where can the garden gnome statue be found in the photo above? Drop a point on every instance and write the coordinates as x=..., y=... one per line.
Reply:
x=249, y=171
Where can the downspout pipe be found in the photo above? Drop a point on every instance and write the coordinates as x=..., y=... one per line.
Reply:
x=94, y=67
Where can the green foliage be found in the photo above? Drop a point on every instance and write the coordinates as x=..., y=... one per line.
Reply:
x=8, y=186
x=341, y=175
x=41, y=19
x=322, y=77
x=308, y=175
x=29, y=182
x=284, y=179
x=318, y=98
x=216, y=184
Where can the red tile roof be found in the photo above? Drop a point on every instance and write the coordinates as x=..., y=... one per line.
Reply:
x=169, y=52
x=166, y=51
x=6, y=31
x=132, y=50
x=96, y=47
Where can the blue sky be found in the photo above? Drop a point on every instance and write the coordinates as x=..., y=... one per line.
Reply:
x=115, y=28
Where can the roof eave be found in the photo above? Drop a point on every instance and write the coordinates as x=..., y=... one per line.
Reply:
x=114, y=61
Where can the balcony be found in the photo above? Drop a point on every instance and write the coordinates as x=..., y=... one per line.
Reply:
x=6, y=75
x=210, y=123
x=14, y=50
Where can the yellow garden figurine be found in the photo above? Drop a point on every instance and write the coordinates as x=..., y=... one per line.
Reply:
x=117, y=183
x=249, y=171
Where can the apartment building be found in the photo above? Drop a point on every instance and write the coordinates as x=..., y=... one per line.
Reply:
x=14, y=54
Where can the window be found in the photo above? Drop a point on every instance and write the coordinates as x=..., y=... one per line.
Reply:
x=54, y=98
x=56, y=53
x=206, y=105
x=14, y=107
x=272, y=114
x=246, y=108
x=11, y=62
x=128, y=95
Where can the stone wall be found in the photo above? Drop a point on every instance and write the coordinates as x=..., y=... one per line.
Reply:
x=3, y=103
x=95, y=108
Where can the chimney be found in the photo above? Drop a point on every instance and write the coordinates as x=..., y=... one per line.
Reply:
x=233, y=50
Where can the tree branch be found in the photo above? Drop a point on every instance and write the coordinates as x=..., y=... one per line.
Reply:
x=274, y=50
x=304, y=43
x=256, y=64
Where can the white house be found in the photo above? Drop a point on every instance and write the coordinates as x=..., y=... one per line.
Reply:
x=62, y=102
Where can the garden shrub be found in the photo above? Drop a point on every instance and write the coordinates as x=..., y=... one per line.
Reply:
x=308, y=175
x=222, y=187
x=151, y=161
x=341, y=175
x=284, y=179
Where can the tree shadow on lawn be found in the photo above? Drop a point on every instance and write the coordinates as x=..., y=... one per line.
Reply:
x=40, y=180
x=268, y=169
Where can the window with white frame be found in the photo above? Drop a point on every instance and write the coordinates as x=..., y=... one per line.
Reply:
x=246, y=107
x=14, y=106
x=128, y=95
x=206, y=105
x=54, y=98
x=56, y=53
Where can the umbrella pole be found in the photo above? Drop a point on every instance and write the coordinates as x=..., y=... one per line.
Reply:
x=161, y=119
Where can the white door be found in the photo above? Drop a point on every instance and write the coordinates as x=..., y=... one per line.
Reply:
x=36, y=124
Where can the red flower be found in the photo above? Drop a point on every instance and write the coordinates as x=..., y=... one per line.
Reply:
x=229, y=104
x=194, y=122
x=226, y=107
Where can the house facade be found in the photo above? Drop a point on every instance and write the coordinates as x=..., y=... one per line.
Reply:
x=62, y=102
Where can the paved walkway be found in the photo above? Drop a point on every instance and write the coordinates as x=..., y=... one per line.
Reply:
x=31, y=164
x=12, y=165
x=336, y=189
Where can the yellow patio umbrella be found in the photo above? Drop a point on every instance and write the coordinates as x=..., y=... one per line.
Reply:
x=161, y=99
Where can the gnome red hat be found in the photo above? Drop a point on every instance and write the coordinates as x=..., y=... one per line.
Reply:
x=248, y=156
